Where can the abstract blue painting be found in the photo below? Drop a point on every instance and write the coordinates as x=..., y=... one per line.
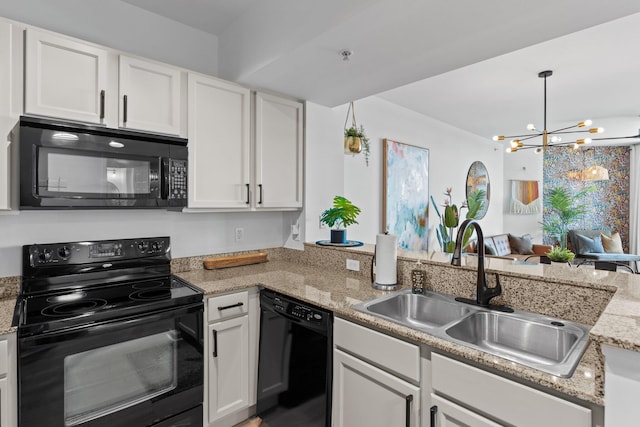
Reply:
x=405, y=210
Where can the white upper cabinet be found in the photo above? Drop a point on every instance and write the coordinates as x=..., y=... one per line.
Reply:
x=278, y=150
x=149, y=96
x=219, y=144
x=11, y=71
x=64, y=78
x=75, y=80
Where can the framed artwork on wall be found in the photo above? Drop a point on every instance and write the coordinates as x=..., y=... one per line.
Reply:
x=525, y=198
x=405, y=198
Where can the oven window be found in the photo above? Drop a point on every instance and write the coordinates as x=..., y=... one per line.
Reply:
x=84, y=174
x=107, y=379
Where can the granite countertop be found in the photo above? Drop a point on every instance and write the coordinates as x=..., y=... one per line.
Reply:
x=7, y=307
x=339, y=292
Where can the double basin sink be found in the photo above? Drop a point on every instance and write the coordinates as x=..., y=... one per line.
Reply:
x=551, y=345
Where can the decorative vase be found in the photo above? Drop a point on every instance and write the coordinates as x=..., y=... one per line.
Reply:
x=352, y=144
x=339, y=236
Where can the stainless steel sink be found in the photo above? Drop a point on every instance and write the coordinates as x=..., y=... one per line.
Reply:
x=548, y=344
x=421, y=311
x=535, y=341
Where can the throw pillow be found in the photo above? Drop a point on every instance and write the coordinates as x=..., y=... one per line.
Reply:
x=613, y=244
x=587, y=245
x=521, y=245
x=489, y=249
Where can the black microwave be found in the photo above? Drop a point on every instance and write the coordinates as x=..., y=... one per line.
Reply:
x=74, y=166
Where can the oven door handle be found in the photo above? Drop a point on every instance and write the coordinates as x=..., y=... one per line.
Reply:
x=114, y=324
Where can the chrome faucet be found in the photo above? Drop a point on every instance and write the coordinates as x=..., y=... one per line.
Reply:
x=484, y=294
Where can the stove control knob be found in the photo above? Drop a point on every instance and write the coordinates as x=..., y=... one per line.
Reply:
x=64, y=252
x=45, y=255
x=143, y=246
x=155, y=246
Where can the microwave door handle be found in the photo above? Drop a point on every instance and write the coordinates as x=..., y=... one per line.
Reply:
x=164, y=178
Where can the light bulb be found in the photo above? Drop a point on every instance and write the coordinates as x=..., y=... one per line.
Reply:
x=587, y=140
x=555, y=139
x=511, y=150
x=531, y=126
x=596, y=130
x=585, y=123
x=498, y=138
x=576, y=146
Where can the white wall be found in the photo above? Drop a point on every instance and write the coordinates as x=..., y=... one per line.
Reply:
x=526, y=166
x=122, y=26
x=191, y=233
x=451, y=152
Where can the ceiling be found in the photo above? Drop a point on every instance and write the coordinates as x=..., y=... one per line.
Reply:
x=471, y=64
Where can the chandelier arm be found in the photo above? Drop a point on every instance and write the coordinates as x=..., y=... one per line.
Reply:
x=569, y=131
x=525, y=136
x=564, y=129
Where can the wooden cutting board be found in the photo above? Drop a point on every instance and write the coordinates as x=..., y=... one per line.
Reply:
x=234, y=260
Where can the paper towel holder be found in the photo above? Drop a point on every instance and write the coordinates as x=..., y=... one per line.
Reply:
x=376, y=285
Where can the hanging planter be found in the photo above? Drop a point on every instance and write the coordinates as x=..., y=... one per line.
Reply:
x=355, y=139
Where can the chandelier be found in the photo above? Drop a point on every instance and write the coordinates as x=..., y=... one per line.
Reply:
x=548, y=137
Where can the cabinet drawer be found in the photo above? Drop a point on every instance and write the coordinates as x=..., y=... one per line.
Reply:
x=392, y=354
x=3, y=357
x=226, y=306
x=503, y=399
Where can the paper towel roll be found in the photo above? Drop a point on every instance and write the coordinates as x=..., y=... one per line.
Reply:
x=386, y=259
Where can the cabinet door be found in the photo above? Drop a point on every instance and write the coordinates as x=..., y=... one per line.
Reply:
x=279, y=146
x=149, y=96
x=218, y=144
x=364, y=395
x=228, y=367
x=11, y=60
x=444, y=413
x=4, y=406
x=64, y=78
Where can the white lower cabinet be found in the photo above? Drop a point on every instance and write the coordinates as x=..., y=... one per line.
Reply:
x=376, y=379
x=364, y=395
x=231, y=369
x=491, y=400
x=8, y=381
x=444, y=413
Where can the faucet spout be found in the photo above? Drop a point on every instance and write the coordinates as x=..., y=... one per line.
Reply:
x=484, y=294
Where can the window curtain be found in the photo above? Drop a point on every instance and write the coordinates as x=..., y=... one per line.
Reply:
x=634, y=200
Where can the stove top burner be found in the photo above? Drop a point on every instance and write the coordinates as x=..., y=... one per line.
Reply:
x=81, y=307
x=151, y=294
x=103, y=302
x=149, y=284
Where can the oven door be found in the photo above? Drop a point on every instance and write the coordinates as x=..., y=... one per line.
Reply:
x=139, y=371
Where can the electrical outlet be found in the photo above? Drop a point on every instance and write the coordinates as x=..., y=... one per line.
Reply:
x=239, y=233
x=353, y=265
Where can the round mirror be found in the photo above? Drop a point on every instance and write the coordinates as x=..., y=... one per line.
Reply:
x=478, y=180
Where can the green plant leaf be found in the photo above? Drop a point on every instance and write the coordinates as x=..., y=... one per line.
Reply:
x=342, y=214
x=451, y=216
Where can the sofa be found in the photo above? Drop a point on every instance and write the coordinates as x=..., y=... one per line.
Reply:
x=601, y=248
x=509, y=246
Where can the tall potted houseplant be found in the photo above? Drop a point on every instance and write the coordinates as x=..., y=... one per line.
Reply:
x=341, y=215
x=562, y=209
x=450, y=218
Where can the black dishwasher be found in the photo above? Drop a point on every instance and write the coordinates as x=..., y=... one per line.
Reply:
x=294, y=368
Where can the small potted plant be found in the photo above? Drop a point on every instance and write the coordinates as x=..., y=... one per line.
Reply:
x=356, y=141
x=558, y=254
x=341, y=215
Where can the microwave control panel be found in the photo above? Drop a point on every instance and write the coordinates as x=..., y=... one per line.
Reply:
x=177, y=179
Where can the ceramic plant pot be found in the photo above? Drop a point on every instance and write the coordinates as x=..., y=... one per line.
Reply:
x=338, y=236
